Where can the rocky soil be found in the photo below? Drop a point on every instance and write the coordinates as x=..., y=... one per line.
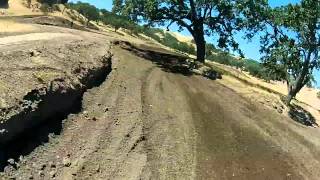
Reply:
x=135, y=112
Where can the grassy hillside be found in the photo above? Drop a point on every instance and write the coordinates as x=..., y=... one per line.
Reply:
x=246, y=69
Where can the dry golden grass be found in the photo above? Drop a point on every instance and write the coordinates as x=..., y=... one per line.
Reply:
x=11, y=26
x=17, y=8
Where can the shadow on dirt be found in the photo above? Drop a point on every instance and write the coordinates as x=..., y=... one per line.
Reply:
x=300, y=115
x=37, y=136
x=168, y=61
x=4, y=5
x=46, y=121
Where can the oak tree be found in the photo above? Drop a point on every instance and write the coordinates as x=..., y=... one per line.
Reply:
x=291, y=43
x=222, y=18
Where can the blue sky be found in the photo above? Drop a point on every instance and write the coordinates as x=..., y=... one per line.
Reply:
x=251, y=49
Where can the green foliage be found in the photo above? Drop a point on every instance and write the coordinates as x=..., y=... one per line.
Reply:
x=118, y=21
x=47, y=3
x=253, y=67
x=87, y=10
x=291, y=42
x=153, y=33
x=200, y=18
x=169, y=40
x=45, y=8
x=211, y=49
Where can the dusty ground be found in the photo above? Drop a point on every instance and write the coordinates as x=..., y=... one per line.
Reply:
x=145, y=121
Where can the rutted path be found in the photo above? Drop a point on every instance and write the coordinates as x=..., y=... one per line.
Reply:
x=143, y=122
x=14, y=40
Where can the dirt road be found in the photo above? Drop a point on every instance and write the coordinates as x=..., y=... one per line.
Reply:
x=144, y=122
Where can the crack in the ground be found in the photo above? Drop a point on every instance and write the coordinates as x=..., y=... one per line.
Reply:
x=46, y=119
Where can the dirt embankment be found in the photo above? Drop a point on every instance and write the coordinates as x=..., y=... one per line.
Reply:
x=43, y=79
x=152, y=118
x=149, y=122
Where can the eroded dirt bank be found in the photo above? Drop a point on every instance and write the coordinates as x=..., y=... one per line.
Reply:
x=43, y=79
x=145, y=122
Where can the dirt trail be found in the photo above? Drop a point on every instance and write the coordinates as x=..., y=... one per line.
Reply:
x=144, y=122
x=14, y=40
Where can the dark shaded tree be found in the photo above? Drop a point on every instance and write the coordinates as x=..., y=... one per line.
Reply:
x=200, y=17
x=87, y=10
x=291, y=43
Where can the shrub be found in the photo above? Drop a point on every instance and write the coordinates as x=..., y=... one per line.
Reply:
x=318, y=94
x=47, y=2
x=153, y=33
x=169, y=40
x=253, y=67
x=225, y=58
x=45, y=8
x=87, y=10
x=118, y=21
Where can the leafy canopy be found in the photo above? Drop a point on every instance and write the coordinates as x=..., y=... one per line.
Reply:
x=86, y=9
x=218, y=17
x=291, y=42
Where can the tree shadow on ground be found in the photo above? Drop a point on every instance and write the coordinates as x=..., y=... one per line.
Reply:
x=4, y=5
x=166, y=60
x=300, y=115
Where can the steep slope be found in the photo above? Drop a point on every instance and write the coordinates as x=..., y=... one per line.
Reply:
x=147, y=122
x=151, y=118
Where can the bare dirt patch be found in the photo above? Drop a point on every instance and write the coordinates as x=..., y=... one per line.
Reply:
x=7, y=26
x=148, y=120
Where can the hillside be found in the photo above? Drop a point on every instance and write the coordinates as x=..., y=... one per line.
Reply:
x=82, y=101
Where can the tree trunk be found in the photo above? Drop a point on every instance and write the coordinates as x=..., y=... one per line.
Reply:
x=300, y=81
x=198, y=36
x=201, y=49
x=293, y=89
x=290, y=96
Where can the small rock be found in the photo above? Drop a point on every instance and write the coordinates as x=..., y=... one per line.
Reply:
x=51, y=136
x=107, y=109
x=52, y=174
x=21, y=158
x=275, y=106
x=280, y=111
x=2, y=131
x=52, y=165
x=9, y=169
x=11, y=161
x=66, y=161
x=98, y=168
x=43, y=166
x=34, y=53
x=94, y=119
x=41, y=173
